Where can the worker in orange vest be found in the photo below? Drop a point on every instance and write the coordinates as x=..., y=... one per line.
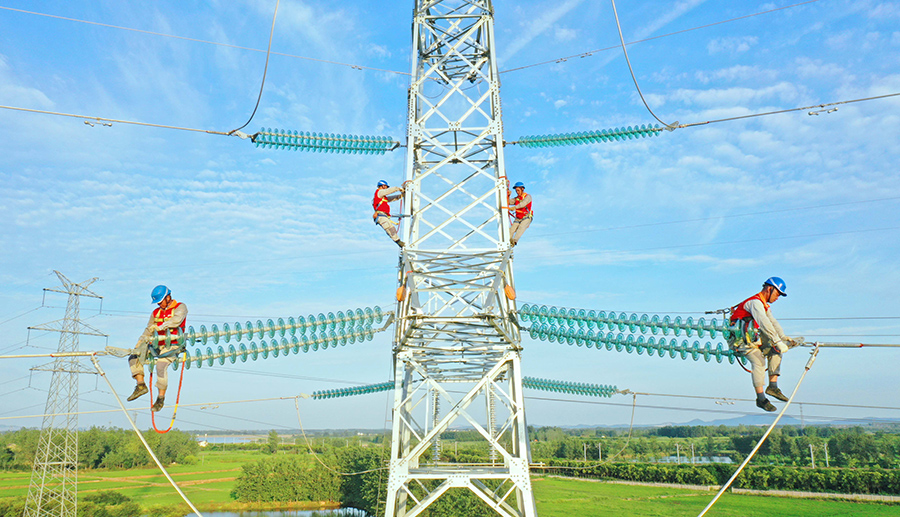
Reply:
x=382, y=216
x=165, y=321
x=520, y=208
x=762, y=339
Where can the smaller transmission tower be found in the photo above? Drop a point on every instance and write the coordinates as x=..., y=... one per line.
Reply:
x=54, y=476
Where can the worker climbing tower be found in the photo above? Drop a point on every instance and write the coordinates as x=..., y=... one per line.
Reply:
x=456, y=347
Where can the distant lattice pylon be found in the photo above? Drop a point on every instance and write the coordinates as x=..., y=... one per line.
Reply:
x=54, y=476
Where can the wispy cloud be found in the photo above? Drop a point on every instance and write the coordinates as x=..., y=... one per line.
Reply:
x=536, y=27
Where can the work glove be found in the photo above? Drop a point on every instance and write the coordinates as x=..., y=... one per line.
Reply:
x=782, y=348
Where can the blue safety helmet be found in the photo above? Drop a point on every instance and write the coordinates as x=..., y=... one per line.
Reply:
x=159, y=292
x=382, y=183
x=519, y=184
x=778, y=284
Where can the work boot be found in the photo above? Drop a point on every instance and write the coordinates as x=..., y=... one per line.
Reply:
x=762, y=404
x=775, y=392
x=160, y=402
x=139, y=390
x=400, y=243
x=513, y=242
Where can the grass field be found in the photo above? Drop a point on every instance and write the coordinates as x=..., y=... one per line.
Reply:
x=557, y=497
x=208, y=486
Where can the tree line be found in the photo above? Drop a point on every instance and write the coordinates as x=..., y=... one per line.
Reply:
x=100, y=447
x=786, y=446
x=758, y=477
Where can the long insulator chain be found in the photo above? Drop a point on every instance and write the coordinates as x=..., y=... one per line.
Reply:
x=590, y=137
x=352, y=320
x=323, y=143
x=620, y=342
x=572, y=388
x=304, y=343
x=622, y=322
x=355, y=390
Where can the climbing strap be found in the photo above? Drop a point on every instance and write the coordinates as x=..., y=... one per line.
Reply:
x=177, y=398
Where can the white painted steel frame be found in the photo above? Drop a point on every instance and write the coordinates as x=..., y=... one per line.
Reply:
x=456, y=348
x=54, y=476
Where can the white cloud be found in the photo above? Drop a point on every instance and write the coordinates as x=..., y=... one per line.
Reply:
x=379, y=51
x=678, y=10
x=818, y=69
x=737, y=73
x=18, y=95
x=885, y=10
x=840, y=40
x=536, y=27
x=781, y=92
x=565, y=34
x=731, y=45
x=543, y=159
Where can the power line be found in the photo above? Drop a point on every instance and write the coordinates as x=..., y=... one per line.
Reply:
x=720, y=243
x=803, y=108
x=633, y=78
x=614, y=47
x=152, y=33
x=265, y=71
x=726, y=216
x=552, y=399
x=702, y=410
x=20, y=315
x=702, y=397
x=704, y=313
x=118, y=121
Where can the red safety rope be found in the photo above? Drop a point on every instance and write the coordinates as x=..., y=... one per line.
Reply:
x=177, y=398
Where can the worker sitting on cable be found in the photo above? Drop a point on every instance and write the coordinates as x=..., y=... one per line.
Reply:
x=762, y=339
x=520, y=208
x=165, y=321
x=384, y=195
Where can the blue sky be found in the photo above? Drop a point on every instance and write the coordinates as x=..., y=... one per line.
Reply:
x=690, y=221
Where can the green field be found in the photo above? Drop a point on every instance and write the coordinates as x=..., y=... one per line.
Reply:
x=208, y=484
x=558, y=497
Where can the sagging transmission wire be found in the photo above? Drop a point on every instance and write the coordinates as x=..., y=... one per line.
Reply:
x=141, y=436
x=812, y=359
x=208, y=42
x=671, y=126
x=265, y=71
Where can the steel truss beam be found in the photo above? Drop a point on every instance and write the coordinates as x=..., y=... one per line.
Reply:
x=456, y=347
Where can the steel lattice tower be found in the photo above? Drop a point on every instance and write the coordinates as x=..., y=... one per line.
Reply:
x=456, y=347
x=54, y=476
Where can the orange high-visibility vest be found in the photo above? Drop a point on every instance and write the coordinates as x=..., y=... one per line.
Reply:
x=380, y=204
x=522, y=213
x=738, y=312
x=161, y=315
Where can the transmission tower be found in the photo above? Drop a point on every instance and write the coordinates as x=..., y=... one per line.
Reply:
x=54, y=476
x=456, y=346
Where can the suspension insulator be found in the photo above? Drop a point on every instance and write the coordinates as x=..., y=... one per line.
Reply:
x=631, y=343
x=318, y=142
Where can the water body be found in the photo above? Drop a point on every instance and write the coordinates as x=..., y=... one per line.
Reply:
x=341, y=512
x=225, y=439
